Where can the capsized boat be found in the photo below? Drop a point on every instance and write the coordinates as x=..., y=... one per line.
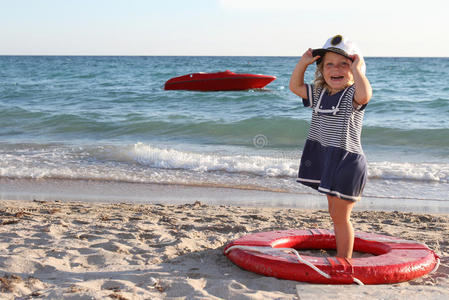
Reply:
x=220, y=81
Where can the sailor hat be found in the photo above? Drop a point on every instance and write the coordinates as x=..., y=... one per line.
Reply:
x=340, y=45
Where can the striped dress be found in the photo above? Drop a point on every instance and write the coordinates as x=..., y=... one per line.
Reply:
x=333, y=161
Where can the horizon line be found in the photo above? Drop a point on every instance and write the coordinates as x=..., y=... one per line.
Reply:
x=194, y=55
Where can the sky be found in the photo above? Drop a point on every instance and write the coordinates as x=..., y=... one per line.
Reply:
x=221, y=27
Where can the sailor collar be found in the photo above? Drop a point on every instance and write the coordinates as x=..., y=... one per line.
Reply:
x=331, y=105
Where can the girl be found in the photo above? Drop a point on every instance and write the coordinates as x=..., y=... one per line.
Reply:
x=333, y=161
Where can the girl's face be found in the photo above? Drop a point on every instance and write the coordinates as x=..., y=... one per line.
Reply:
x=337, y=71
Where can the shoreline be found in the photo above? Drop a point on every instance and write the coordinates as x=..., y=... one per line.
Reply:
x=59, y=249
x=160, y=193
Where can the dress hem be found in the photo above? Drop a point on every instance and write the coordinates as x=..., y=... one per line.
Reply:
x=315, y=185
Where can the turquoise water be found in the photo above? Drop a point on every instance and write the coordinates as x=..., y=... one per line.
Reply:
x=109, y=119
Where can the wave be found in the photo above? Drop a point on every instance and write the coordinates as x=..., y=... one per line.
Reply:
x=276, y=166
x=149, y=163
x=279, y=131
x=209, y=162
x=436, y=138
x=430, y=172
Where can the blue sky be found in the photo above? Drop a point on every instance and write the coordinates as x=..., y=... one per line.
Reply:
x=220, y=27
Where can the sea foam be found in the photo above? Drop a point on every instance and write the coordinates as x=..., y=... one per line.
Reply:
x=151, y=163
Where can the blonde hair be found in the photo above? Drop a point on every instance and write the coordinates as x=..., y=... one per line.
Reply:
x=319, y=81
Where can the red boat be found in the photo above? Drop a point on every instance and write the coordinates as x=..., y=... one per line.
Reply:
x=221, y=81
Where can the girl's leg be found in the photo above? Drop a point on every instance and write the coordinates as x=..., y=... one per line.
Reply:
x=340, y=211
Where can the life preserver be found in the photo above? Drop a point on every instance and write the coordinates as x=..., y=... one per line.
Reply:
x=395, y=260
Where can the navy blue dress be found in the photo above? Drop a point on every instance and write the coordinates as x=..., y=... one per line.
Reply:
x=333, y=161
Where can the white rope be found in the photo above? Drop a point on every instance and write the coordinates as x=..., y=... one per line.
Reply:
x=270, y=249
x=291, y=250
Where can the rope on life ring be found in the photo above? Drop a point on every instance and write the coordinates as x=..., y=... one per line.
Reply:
x=262, y=249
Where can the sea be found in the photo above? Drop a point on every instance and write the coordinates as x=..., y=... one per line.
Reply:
x=108, y=119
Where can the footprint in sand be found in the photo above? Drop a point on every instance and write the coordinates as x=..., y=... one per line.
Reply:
x=113, y=247
x=113, y=285
x=56, y=254
x=97, y=260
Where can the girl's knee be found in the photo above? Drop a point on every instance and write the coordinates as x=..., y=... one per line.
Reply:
x=340, y=210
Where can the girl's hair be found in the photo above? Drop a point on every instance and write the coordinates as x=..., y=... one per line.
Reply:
x=319, y=81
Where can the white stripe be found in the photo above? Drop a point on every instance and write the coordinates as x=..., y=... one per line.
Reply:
x=308, y=180
x=338, y=194
x=342, y=130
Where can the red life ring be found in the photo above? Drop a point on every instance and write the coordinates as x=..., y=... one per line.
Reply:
x=395, y=260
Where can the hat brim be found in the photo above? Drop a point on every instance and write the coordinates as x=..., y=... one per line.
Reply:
x=321, y=52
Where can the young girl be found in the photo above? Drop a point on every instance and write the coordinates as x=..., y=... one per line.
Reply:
x=333, y=161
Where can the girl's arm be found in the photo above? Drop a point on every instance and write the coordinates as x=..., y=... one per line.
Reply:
x=363, y=91
x=297, y=85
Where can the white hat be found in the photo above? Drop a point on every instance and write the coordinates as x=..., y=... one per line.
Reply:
x=340, y=45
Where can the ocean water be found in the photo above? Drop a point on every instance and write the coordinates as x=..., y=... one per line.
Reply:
x=108, y=119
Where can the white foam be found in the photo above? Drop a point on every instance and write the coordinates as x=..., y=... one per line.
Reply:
x=438, y=172
x=145, y=163
x=207, y=162
x=276, y=167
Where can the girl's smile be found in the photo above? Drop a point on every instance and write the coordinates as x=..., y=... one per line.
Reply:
x=337, y=71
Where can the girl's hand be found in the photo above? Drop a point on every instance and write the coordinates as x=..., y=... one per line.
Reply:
x=307, y=58
x=296, y=84
x=357, y=63
x=363, y=91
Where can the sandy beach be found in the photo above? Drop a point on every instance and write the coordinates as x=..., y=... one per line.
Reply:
x=80, y=250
